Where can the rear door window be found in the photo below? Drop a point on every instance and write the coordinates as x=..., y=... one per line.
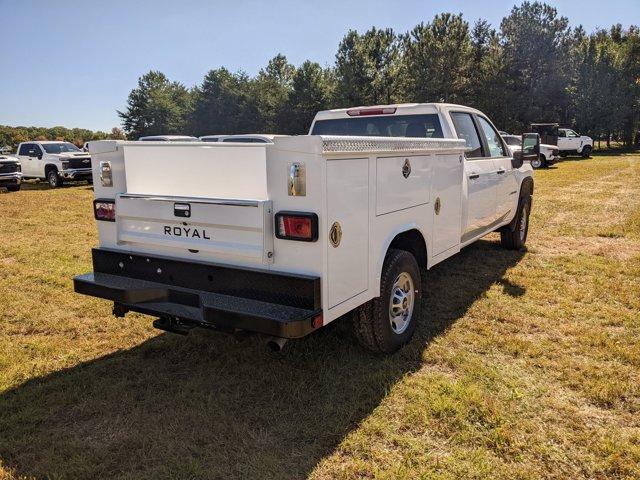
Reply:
x=24, y=148
x=496, y=148
x=415, y=126
x=466, y=130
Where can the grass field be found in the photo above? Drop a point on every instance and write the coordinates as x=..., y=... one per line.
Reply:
x=525, y=365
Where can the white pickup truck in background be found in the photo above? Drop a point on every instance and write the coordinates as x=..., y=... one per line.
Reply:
x=10, y=173
x=282, y=238
x=54, y=162
x=567, y=140
x=570, y=142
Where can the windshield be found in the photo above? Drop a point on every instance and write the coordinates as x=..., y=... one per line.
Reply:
x=61, y=147
x=420, y=126
x=513, y=141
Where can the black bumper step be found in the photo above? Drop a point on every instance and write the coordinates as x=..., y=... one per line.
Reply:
x=212, y=310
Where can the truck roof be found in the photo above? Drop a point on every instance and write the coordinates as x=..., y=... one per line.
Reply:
x=400, y=108
x=168, y=138
x=46, y=141
x=259, y=137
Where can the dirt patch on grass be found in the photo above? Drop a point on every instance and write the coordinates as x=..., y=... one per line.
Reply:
x=617, y=248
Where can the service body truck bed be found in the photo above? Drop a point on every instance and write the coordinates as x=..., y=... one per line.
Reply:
x=282, y=238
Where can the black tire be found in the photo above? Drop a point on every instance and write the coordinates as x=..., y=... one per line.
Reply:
x=540, y=163
x=586, y=151
x=514, y=238
x=13, y=188
x=373, y=322
x=54, y=179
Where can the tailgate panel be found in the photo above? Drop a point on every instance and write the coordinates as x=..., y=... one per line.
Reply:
x=224, y=228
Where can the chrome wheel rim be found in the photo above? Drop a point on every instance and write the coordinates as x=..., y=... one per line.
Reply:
x=536, y=163
x=523, y=223
x=401, y=303
x=53, y=180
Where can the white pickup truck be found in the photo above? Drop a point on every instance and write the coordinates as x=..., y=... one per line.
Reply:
x=10, y=173
x=54, y=162
x=568, y=141
x=282, y=238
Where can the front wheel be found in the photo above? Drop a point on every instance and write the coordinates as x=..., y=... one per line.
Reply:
x=538, y=162
x=13, y=188
x=388, y=322
x=586, y=151
x=514, y=237
x=54, y=180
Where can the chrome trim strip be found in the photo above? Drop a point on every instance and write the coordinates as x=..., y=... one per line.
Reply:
x=211, y=201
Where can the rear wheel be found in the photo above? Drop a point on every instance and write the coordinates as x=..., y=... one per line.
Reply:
x=388, y=322
x=13, y=188
x=514, y=238
x=54, y=180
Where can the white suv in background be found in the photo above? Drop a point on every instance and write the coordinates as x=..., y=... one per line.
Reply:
x=54, y=162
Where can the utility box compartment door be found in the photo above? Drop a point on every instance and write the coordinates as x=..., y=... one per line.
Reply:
x=447, y=201
x=402, y=182
x=348, y=207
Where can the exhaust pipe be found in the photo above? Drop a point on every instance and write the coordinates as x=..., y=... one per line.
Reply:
x=276, y=344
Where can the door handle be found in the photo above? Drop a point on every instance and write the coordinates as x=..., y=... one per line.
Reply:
x=500, y=172
x=473, y=176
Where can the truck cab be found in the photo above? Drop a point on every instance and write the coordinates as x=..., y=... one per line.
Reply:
x=282, y=238
x=54, y=161
x=490, y=181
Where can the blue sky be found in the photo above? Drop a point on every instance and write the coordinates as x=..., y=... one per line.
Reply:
x=73, y=63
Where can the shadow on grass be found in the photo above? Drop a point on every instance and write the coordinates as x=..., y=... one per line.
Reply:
x=42, y=185
x=205, y=406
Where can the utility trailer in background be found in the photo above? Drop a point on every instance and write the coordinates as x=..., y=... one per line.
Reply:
x=284, y=238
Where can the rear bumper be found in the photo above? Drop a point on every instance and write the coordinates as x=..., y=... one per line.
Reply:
x=205, y=295
x=76, y=173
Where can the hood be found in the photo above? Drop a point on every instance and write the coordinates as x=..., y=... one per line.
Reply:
x=7, y=159
x=68, y=155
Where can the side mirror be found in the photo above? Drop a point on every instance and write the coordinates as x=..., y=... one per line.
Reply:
x=516, y=161
x=530, y=147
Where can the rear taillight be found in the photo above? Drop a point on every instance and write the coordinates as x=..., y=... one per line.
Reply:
x=104, y=210
x=301, y=226
x=360, y=112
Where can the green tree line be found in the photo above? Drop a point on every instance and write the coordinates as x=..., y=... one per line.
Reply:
x=10, y=137
x=534, y=68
